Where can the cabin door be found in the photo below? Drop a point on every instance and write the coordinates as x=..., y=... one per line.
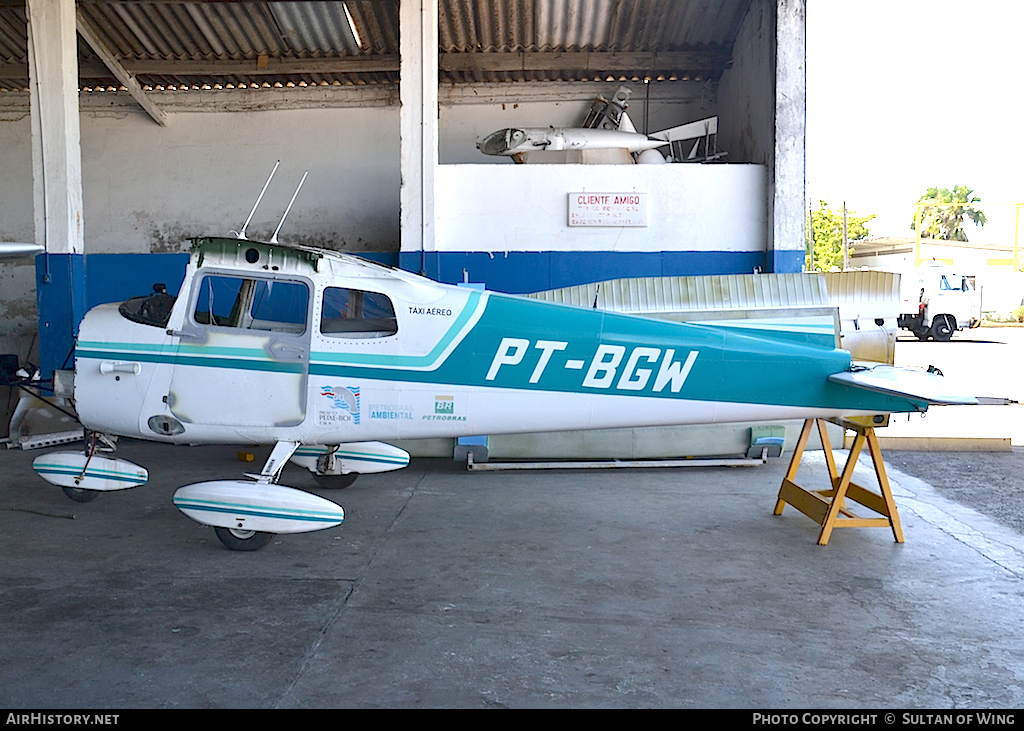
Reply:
x=243, y=352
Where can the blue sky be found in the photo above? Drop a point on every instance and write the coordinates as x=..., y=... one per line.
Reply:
x=903, y=95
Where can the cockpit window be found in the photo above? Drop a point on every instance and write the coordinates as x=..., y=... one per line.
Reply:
x=153, y=309
x=353, y=313
x=252, y=304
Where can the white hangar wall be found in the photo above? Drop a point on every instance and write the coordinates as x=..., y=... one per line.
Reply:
x=694, y=208
x=508, y=225
x=147, y=188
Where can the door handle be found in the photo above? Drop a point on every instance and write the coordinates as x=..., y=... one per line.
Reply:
x=284, y=350
x=120, y=366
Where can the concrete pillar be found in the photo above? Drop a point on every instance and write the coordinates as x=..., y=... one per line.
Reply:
x=418, y=124
x=789, y=170
x=56, y=175
x=56, y=146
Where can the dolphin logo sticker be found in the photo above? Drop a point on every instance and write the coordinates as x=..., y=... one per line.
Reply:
x=346, y=399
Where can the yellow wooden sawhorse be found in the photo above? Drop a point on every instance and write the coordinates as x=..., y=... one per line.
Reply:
x=828, y=507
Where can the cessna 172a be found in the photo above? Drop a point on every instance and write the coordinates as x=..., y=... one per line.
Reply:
x=327, y=356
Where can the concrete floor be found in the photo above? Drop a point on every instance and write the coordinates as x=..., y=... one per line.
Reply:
x=657, y=588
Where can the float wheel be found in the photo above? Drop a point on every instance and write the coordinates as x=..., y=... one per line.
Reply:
x=243, y=540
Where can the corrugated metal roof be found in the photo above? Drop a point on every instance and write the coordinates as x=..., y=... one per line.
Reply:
x=309, y=28
x=570, y=25
x=194, y=44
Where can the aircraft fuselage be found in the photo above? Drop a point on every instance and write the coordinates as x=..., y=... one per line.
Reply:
x=268, y=343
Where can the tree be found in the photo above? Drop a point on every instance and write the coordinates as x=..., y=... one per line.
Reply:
x=943, y=211
x=827, y=233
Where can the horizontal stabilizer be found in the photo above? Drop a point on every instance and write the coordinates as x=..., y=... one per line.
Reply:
x=905, y=382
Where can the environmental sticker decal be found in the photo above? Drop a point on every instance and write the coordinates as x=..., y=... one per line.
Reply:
x=344, y=404
x=390, y=411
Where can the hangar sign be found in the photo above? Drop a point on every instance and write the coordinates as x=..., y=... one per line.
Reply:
x=608, y=209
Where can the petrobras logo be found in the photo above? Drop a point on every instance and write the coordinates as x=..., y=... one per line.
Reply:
x=444, y=405
x=444, y=410
x=637, y=369
x=344, y=399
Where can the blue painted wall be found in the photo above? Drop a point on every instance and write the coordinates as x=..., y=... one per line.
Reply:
x=68, y=285
x=521, y=272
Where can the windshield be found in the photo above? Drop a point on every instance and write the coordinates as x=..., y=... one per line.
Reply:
x=153, y=309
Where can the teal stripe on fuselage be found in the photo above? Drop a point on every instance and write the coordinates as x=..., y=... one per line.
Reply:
x=171, y=357
x=172, y=349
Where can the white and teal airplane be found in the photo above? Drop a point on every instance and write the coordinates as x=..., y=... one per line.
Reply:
x=328, y=357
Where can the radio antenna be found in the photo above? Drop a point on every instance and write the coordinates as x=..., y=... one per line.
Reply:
x=241, y=234
x=273, y=239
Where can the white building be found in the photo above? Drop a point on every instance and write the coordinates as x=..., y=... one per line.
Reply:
x=992, y=267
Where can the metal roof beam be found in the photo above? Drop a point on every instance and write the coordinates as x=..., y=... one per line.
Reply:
x=594, y=61
x=653, y=63
x=377, y=95
x=127, y=79
x=267, y=66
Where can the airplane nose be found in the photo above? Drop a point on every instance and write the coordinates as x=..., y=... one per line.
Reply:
x=500, y=142
x=494, y=143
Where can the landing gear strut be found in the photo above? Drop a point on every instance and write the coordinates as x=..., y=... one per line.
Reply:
x=247, y=515
x=242, y=539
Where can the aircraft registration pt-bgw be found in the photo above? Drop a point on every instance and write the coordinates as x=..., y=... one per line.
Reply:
x=328, y=356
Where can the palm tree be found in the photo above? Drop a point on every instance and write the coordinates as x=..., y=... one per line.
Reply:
x=942, y=213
